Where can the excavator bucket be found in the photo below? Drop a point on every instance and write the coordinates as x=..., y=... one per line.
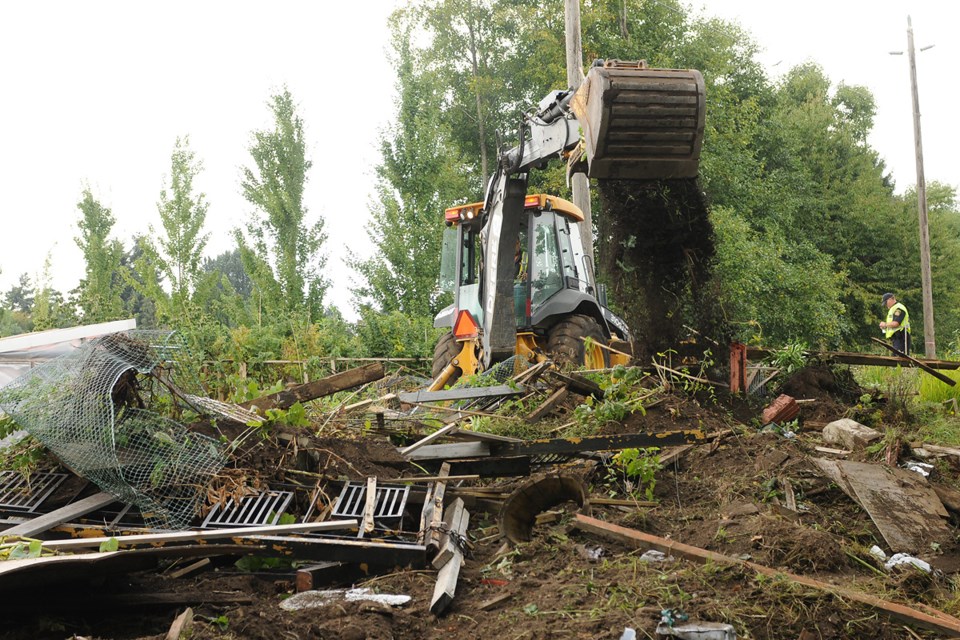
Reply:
x=641, y=123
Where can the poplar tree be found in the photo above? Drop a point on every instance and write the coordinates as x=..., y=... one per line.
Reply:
x=98, y=295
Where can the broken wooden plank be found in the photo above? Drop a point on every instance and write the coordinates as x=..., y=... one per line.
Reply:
x=317, y=389
x=833, y=452
x=487, y=605
x=190, y=568
x=181, y=626
x=366, y=403
x=904, y=507
x=369, y=507
x=547, y=406
x=578, y=384
x=456, y=520
x=436, y=516
x=789, y=496
x=422, y=479
x=449, y=574
x=936, y=374
x=332, y=573
x=50, y=520
x=439, y=433
x=597, y=443
x=669, y=456
x=932, y=619
x=462, y=393
x=846, y=357
x=201, y=536
x=426, y=515
x=450, y=451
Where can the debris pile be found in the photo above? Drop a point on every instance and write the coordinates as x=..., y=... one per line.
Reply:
x=633, y=501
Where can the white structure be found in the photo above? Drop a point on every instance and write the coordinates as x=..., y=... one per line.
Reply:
x=19, y=353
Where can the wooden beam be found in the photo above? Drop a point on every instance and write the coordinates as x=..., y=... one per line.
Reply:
x=449, y=574
x=436, y=435
x=578, y=384
x=436, y=517
x=463, y=393
x=370, y=507
x=317, y=389
x=50, y=520
x=456, y=521
x=328, y=574
x=547, y=406
x=201, y=536
x=933, y=619
x=847, y=357
x=450, y=451
x=936, y=374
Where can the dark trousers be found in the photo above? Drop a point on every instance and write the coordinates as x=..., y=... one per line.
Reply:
x=901, y=341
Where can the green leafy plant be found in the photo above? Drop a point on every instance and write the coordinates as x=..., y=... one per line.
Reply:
x=637, y=469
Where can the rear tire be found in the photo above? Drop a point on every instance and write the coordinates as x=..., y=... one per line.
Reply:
x=443, y=354
x=566, y=347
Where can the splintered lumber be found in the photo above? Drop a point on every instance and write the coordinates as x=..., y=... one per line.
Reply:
x=370, y=507
x=464, y=393
x=449, y=573
x=190, y=568
x=181, y=626
x=932, y=619
x=329, y=574
x=936, y=374
x=436, y=516
x=439, y=433
x=50, y=520
x=201, y=536
x=318, y=388
x=455, y=520
x=579, y=385
x=486, y=605
x=846, y=357
x=902, y=504
x=548, y=405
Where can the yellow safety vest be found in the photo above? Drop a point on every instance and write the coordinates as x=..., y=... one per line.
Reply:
x=904, y=324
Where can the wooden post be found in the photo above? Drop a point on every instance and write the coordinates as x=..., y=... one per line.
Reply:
x=929, y=342
x=738, y=367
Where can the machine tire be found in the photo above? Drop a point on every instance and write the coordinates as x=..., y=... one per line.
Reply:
x=566, y=347
x=446, y=350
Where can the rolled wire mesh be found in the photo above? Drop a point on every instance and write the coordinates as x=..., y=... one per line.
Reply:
x=99, y=410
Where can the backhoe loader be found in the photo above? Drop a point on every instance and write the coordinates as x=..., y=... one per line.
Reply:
x=522, y=282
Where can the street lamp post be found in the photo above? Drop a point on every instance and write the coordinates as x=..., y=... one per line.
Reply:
x=929, y=341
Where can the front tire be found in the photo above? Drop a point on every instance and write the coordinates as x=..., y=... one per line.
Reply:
x=443, y=354
x=566, y=347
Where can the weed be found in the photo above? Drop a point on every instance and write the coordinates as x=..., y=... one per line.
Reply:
x=636, y=469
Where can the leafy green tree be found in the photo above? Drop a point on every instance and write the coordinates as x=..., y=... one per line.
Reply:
x=175, y=256
x=420, y=174
x=281, y=251
x=229, y=265
x=20, y=297
x=98, y=295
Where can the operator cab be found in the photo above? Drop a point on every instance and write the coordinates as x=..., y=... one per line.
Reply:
x=549, y=261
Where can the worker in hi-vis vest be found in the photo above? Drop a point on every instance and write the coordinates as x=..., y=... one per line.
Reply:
x=896, y=328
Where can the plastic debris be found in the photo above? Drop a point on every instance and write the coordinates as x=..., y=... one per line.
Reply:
x=655, y=556
x=905, y=558
x=698, y=631
x=314, y=599
x=922, y=468
x=629, y=634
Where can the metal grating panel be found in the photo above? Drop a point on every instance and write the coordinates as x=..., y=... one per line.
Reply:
x=264, y=508
x=17, y=494
x=353, y=499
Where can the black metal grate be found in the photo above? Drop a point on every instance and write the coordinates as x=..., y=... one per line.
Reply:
x=390, y=502
x=19, y=495
x=251, y=511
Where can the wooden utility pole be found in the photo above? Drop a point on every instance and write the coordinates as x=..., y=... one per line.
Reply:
x=929, y=342
x=580, y=182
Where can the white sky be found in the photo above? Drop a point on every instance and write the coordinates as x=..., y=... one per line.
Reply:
x=96, y=93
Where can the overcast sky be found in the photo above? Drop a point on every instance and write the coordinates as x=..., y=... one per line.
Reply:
x=95, y=93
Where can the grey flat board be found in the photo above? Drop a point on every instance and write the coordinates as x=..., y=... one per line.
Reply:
x=451, y=451
x=49, y=520
x=905, y=508
x=466, y=393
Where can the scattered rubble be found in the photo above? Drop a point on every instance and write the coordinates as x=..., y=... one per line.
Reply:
x=599, y=504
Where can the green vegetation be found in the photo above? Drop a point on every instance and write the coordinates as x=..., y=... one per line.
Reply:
x=795, y=188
